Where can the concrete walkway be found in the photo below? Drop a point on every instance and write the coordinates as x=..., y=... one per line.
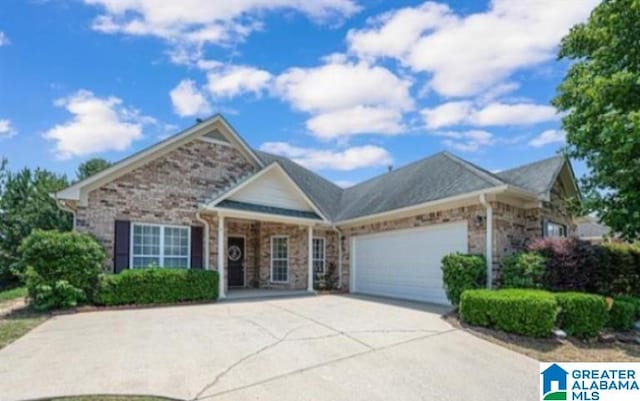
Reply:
x=307, y=348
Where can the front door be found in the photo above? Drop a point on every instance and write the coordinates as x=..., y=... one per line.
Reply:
x=235, y=261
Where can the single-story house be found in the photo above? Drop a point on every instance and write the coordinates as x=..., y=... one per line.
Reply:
x=204, y=199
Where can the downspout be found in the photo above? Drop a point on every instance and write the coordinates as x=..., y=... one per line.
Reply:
x=488, y=239
x=339, y=256
x=206, y=239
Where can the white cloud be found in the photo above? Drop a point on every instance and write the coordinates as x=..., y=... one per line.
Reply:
x=237, y=79
x=189, y=24
x=98, y=125
x=447, y=114
x=492, y=114
x=548, y=137
x=354, y=121
x=513, y=114
x=4, y=40
x=466, y=54
x=6, y=129
x=345, y=99
x=467, y=141
x=344, y=183
x=344, y=160
x=187, y=99
x=337, y=86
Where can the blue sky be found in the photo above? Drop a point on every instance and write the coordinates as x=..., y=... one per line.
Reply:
x=345, y=87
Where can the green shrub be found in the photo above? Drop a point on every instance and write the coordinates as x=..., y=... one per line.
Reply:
x=57, y=261
x=618, y=272
x=621, y=315
x=635, y=301
x=581, y=314
x=58, y=295
x=157, y=286
x=523, y=270
x=527, y=312
x=462, y=272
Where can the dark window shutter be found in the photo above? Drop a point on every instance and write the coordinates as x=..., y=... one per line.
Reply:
x=545, y=228
x=196, y=248
x=121, y=246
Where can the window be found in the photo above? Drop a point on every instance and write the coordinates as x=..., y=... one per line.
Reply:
x=280, y=259
x=556, y=230
x=157, y=245
x=318, y=255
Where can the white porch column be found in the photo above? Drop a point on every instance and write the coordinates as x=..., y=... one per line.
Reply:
x=221, y=254
x=310, y=259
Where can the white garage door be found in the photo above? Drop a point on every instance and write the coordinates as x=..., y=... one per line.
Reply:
x=406, y=263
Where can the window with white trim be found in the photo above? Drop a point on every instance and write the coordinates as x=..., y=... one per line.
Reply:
x=279, y=259
x=556, y=230
x=318, y=255
x=154, y=245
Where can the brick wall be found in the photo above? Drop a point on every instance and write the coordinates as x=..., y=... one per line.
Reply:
x=166, y=190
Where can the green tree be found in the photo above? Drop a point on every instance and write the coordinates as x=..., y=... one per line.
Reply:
x=26, y=204
x=91, y=167
x=600, y=96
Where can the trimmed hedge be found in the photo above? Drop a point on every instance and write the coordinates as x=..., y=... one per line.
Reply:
x=635, y=301
x=157, y=286
x=462, y=272
x=622, y=315
x=526, y=312
x=582, y=315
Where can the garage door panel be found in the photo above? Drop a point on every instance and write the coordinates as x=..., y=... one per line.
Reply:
x=406, y=263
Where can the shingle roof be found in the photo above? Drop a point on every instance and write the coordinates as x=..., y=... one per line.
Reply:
x=436, y=177
x=537, y=177
x=439, y=176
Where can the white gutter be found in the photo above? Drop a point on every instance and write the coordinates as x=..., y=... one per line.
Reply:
x=206, y=239
x=339, y=256
x=488, y=239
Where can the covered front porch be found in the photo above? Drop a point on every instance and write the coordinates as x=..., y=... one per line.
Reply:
x=267, y=249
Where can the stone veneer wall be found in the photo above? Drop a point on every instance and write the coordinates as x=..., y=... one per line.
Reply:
x=165, y=190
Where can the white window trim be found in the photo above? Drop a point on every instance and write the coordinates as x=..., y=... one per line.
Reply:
x=272, y=259
x=161, y=256
x=324, y=255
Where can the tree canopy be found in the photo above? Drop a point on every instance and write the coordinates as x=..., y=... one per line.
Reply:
x=25, y=204
x=91, y=167
x=600, y=98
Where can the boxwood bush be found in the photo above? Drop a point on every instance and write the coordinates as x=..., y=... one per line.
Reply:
x=62, y=268
x=527, y=312
x=462, y=272
x=581, y=314
x=622, y=315
x=635, y=301
x=157, y=286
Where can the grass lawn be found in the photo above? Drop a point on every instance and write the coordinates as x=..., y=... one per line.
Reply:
x=7, y=295
x=555, y=350
x=18, y=323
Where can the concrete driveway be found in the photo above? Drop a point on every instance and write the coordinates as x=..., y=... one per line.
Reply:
x=309, y=348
